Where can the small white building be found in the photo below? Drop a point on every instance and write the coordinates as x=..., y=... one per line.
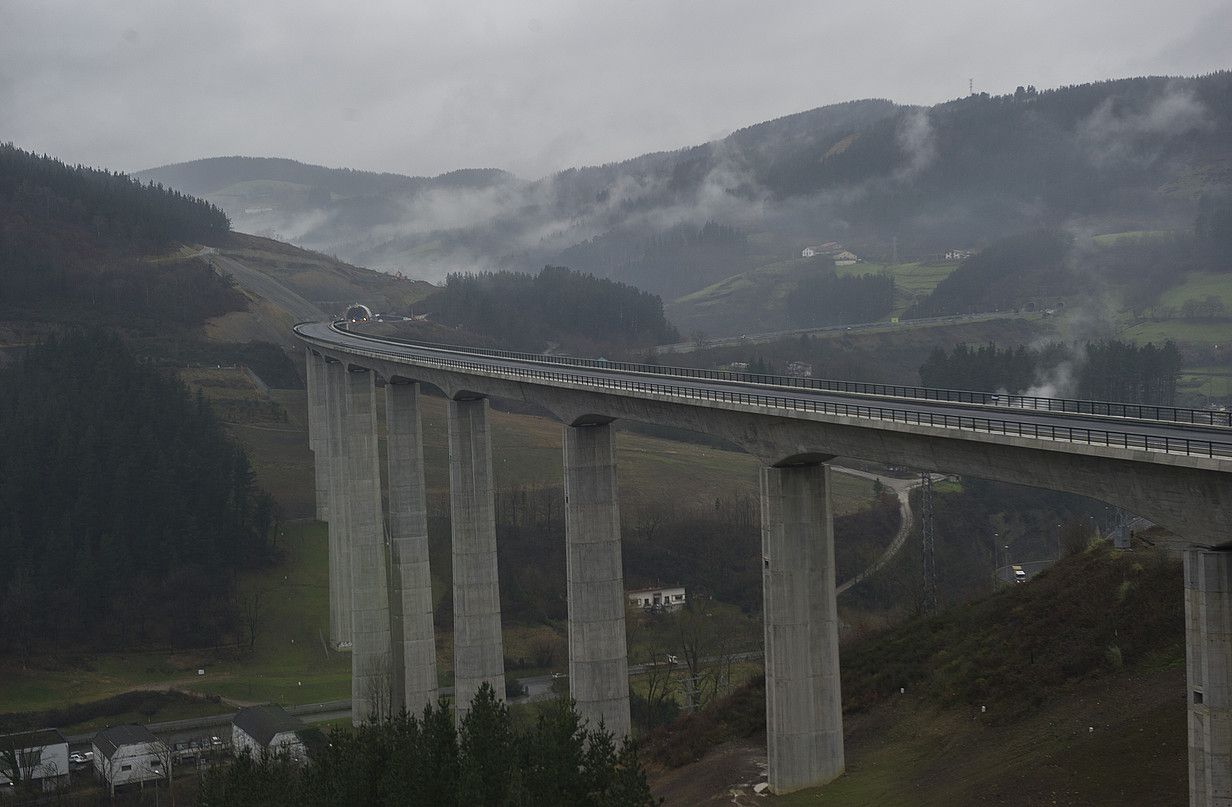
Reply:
x=268, y=728
x=664, y=598
x=844, y=258
x=40, y=757
x=130, y=755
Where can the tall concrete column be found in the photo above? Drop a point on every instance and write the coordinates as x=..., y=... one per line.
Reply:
x=804, y=719
x=410, y=577
x=370, y=639
x=1208, y=655
x=339, y=537
x=598, y=657
x=478, y=650
x=318, y=427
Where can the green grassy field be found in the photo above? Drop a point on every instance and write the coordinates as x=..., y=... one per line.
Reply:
x=912, y=281
x=756, y=300
x=1184, y=331
x=1108, y=239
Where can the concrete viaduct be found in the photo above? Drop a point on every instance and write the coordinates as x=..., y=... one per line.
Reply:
x=1172, y=466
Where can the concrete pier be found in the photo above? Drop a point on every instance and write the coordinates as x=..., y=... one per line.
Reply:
x=804, y=718
x=318, y=428
x=478, y=654
x=339, y=538
x=370, y=638
x=413, y=653
x=598, y=657
x=1208, y=656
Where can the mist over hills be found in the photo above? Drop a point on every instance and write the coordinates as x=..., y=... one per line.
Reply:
x=878, y=176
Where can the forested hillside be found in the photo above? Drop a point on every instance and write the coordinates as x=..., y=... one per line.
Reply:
x=880, y=177
x=126, y=508
x=557, y=305
x=72, y=240
x=1100, y=371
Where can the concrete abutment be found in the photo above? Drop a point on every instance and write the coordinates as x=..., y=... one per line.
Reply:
x=1208, y=650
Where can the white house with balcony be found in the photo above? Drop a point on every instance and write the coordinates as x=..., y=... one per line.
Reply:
x=663, y=598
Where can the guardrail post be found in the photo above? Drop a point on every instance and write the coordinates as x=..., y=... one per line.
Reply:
x=371, y=683
x=410, y=576
x=478, y=648
x=804, y=717
x=598, y=657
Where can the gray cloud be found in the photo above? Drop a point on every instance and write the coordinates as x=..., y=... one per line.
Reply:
x=532, y=86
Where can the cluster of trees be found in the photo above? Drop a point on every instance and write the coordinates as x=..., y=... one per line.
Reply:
x=1213, y=231
x=114, y=206
x=71, y=239
x=487, y=759
x=1106, y=371
x=825, y=298
x=557, y=305
x=672, y=262
x=1007, y=274
x=126, y=510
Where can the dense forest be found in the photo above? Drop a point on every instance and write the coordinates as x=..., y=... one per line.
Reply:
x=824, y=298
x=488, y=759
x=72, y=240
x=126, y=509
x=1104, y=371
x=1013, y=272
x=670, y=263
x=559, y=305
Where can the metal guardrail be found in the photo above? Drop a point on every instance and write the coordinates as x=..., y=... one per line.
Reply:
x=1010, y=428
x=1164, y=414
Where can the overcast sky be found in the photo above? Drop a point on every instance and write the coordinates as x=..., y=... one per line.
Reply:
x=421, y=88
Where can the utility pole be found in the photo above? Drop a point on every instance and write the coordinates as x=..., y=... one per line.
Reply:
x=928, y=539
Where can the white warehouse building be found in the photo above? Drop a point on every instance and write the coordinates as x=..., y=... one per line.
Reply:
x=256, y=729
x=39, y=757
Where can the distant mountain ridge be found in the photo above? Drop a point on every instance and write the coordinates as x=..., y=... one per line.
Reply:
x=880, y=177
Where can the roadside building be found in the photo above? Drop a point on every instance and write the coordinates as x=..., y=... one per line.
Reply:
x=663, y=598
x=37, y=757
x=844, y=258
x=268, y=728
x=131, y=754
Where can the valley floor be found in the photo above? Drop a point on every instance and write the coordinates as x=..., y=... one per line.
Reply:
x=1119, y=740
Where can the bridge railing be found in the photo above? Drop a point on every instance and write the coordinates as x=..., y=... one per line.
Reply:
x=990, y=425
x=1167, y=414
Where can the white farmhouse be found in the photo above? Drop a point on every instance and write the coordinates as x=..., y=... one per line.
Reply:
x=39, y=757
x=845, y=258
x=664, y=598
x=268, y=728
x=128, y=755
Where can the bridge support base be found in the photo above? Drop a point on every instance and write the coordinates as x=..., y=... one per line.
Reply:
x=339, y=538
x=598, y=657
x=1208, y=651
x=370, y=657
x=413, y=651
x=804, y=718
x=478, y=650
